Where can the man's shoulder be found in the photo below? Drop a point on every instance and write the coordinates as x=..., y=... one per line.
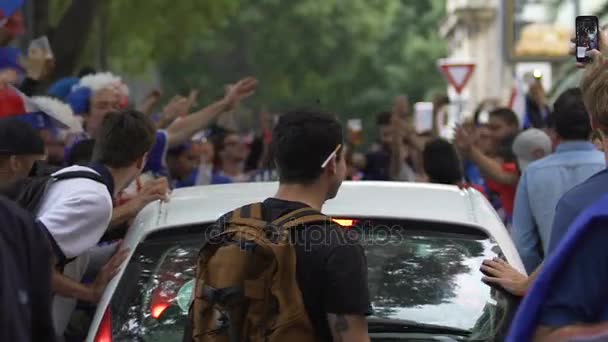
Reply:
x=75, y=168
x=588, y=191
x=77, y=193
x=571, y=157
x=80, y=184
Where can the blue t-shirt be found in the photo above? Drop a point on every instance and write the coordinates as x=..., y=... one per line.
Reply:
x=571, y=287
x=191, y=180
x=573, y=203
x=472, y=173
x=157, y=157
x=578, y=293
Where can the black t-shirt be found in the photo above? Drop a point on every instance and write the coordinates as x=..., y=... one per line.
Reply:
x=331, y=268
x=25, y=277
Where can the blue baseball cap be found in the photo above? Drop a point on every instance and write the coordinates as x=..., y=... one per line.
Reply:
x=9, y=59
x=62, y=88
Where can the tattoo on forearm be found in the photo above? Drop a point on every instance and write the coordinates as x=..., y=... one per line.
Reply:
x=340, y=326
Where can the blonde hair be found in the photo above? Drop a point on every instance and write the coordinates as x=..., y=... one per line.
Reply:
x=594, y=86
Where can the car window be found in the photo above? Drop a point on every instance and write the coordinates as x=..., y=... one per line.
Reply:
x=418, y=272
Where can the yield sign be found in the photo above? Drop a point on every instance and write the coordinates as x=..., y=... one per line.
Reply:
x=458, y=74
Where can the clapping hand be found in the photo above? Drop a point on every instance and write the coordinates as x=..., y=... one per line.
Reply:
x=463, y=139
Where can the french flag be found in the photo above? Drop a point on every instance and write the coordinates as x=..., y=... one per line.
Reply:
x=8, y=8
x=517, y=102
x=39, y=112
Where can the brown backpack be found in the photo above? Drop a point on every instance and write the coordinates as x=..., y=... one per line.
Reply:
x=246, y=287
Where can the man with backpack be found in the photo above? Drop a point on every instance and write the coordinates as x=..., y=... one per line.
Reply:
x=280, y=270
x=74, y=205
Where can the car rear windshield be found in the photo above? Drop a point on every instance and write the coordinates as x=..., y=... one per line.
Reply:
x=423, y=272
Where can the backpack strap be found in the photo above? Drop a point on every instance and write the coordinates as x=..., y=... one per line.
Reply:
x=251, y=211
x=78, y=174
x=306, y=220
x=299, y=217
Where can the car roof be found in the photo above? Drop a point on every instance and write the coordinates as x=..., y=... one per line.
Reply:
x=360, y=199
x=384, y=200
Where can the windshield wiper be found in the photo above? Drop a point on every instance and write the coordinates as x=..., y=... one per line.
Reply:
x=381, y=325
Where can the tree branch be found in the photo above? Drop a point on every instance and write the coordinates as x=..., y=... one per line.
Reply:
x=69, y=38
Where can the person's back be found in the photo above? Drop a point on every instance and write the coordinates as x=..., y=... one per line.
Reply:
x=76, y=212
x=573, y=203
x=545, y=181
x=25, y=277
x=331, y=269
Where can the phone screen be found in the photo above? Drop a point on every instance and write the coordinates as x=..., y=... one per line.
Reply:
x=587, y=31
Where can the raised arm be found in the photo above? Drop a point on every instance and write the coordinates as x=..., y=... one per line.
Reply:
x=183, y=129
x=489, y=167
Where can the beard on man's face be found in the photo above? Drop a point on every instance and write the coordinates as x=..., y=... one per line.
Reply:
x=333, y=190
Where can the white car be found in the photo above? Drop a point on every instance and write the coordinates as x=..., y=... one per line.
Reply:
x=424, y=245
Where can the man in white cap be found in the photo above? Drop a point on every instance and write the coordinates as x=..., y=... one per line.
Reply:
x=530, y=145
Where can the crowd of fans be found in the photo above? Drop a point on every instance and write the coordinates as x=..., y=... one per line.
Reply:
x=110, y=158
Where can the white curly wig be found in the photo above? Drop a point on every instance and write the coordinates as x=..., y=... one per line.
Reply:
x=103, y=80
x=59, y=111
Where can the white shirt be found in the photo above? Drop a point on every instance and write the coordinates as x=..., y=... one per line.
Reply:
x=76, y=212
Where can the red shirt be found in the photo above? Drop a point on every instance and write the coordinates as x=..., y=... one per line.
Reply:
x=504, y=191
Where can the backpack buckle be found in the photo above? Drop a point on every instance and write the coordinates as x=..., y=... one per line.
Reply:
x=248, y=246
x=221, y=295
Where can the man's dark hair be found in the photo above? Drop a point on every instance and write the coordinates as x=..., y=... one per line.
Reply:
x=123, y=137
x=441, y=162
x=218, y=139
x=301, y=141
x=570, y=116
x=82, y=152
x=383, y=119
x=506, y=115
x=18, y=137
x=255, y=154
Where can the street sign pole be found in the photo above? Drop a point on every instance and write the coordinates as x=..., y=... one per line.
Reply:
x=458, y=75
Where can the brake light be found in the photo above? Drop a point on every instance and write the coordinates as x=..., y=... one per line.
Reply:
x=345, y=222
x=162, y=298
x=158, y=309
x=104, y=333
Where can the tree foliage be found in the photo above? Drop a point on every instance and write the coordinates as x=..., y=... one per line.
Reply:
x=350, y=57
x=134, y=34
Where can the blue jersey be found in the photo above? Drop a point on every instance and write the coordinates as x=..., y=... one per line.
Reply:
x=571, y=287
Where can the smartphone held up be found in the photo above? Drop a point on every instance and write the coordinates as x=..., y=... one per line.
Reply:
x=587, y=37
